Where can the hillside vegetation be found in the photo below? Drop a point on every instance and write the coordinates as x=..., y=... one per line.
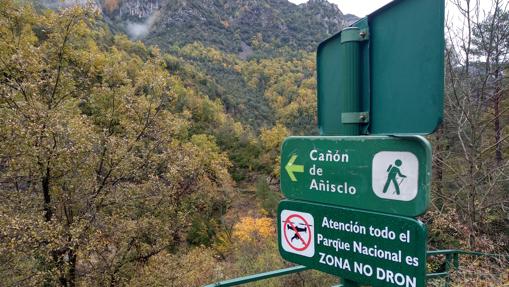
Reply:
x=153, y=160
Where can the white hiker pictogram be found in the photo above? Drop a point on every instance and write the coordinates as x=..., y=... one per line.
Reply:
x=395, y=175
x=393, y=172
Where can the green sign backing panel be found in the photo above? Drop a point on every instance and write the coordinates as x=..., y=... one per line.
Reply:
x=407, y=67
x=377, y=173
x=365, y=247
x=402, y=73
x=329, y=72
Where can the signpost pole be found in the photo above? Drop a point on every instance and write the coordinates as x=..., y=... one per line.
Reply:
x=349, y=283
x=350, y=90
x=350, y=81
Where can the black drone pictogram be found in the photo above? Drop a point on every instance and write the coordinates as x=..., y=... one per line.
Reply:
x=297, y=231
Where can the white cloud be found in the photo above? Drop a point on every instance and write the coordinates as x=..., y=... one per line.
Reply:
x=140, y=30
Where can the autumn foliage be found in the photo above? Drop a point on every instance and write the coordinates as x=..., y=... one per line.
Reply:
x=125, y=165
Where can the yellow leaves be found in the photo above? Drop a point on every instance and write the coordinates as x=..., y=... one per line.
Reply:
x=198, y=168
x=153, y=81
x=238, y=129
x=271, y=142
x=198, y=51
x=15, y=21
x=272, y=138
x=205, y=143
x=288, y=85
x=250, y=229
x=211, y=159
x=197, y=267
x=120, y=145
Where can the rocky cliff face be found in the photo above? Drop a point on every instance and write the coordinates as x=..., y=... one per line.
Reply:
x=131, y=9
x=230, y=25
x=327, y=13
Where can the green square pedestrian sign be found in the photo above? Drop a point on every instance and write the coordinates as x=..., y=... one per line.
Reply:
x=395, y=175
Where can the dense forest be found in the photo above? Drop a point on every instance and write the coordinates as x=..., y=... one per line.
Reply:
x=128, y=161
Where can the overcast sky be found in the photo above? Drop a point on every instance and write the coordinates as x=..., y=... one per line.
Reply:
x=359, y=8
x=362, y=8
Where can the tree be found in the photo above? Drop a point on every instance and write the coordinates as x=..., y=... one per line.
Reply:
x=471, y=164
x=491, y=42
x=271, y=140
x=98, y=172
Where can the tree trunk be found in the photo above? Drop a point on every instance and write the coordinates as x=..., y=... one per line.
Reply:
x=498, y=130
x=72, y=268
x=439, y=166
x=48, y=213
x=472, y=203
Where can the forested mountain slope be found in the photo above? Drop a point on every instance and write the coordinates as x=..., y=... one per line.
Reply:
x=228, y=42
x=123, y=163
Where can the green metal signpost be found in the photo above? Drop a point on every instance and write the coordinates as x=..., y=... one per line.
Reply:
x=381, y=76
x=378, y=173
x=366, y=247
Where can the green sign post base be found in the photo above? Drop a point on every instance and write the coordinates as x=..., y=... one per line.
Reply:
x=361, y=246
x=348, y=283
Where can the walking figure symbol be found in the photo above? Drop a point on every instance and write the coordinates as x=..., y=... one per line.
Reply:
x=393, y=173
x=395, y=168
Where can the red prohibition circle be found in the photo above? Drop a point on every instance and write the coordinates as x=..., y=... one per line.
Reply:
x=287, y=221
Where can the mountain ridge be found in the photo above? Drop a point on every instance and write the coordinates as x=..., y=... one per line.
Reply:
x=229, y=25
x=276, y=38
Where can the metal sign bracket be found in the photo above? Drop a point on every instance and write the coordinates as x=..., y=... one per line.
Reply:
x=354, y=34
x=355, y=118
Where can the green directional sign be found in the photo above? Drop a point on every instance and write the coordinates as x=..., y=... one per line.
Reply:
x=395, y=69
x=378, y=173
x=366, y=247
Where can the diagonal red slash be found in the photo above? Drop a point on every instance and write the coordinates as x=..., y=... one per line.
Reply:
x=296, y=232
